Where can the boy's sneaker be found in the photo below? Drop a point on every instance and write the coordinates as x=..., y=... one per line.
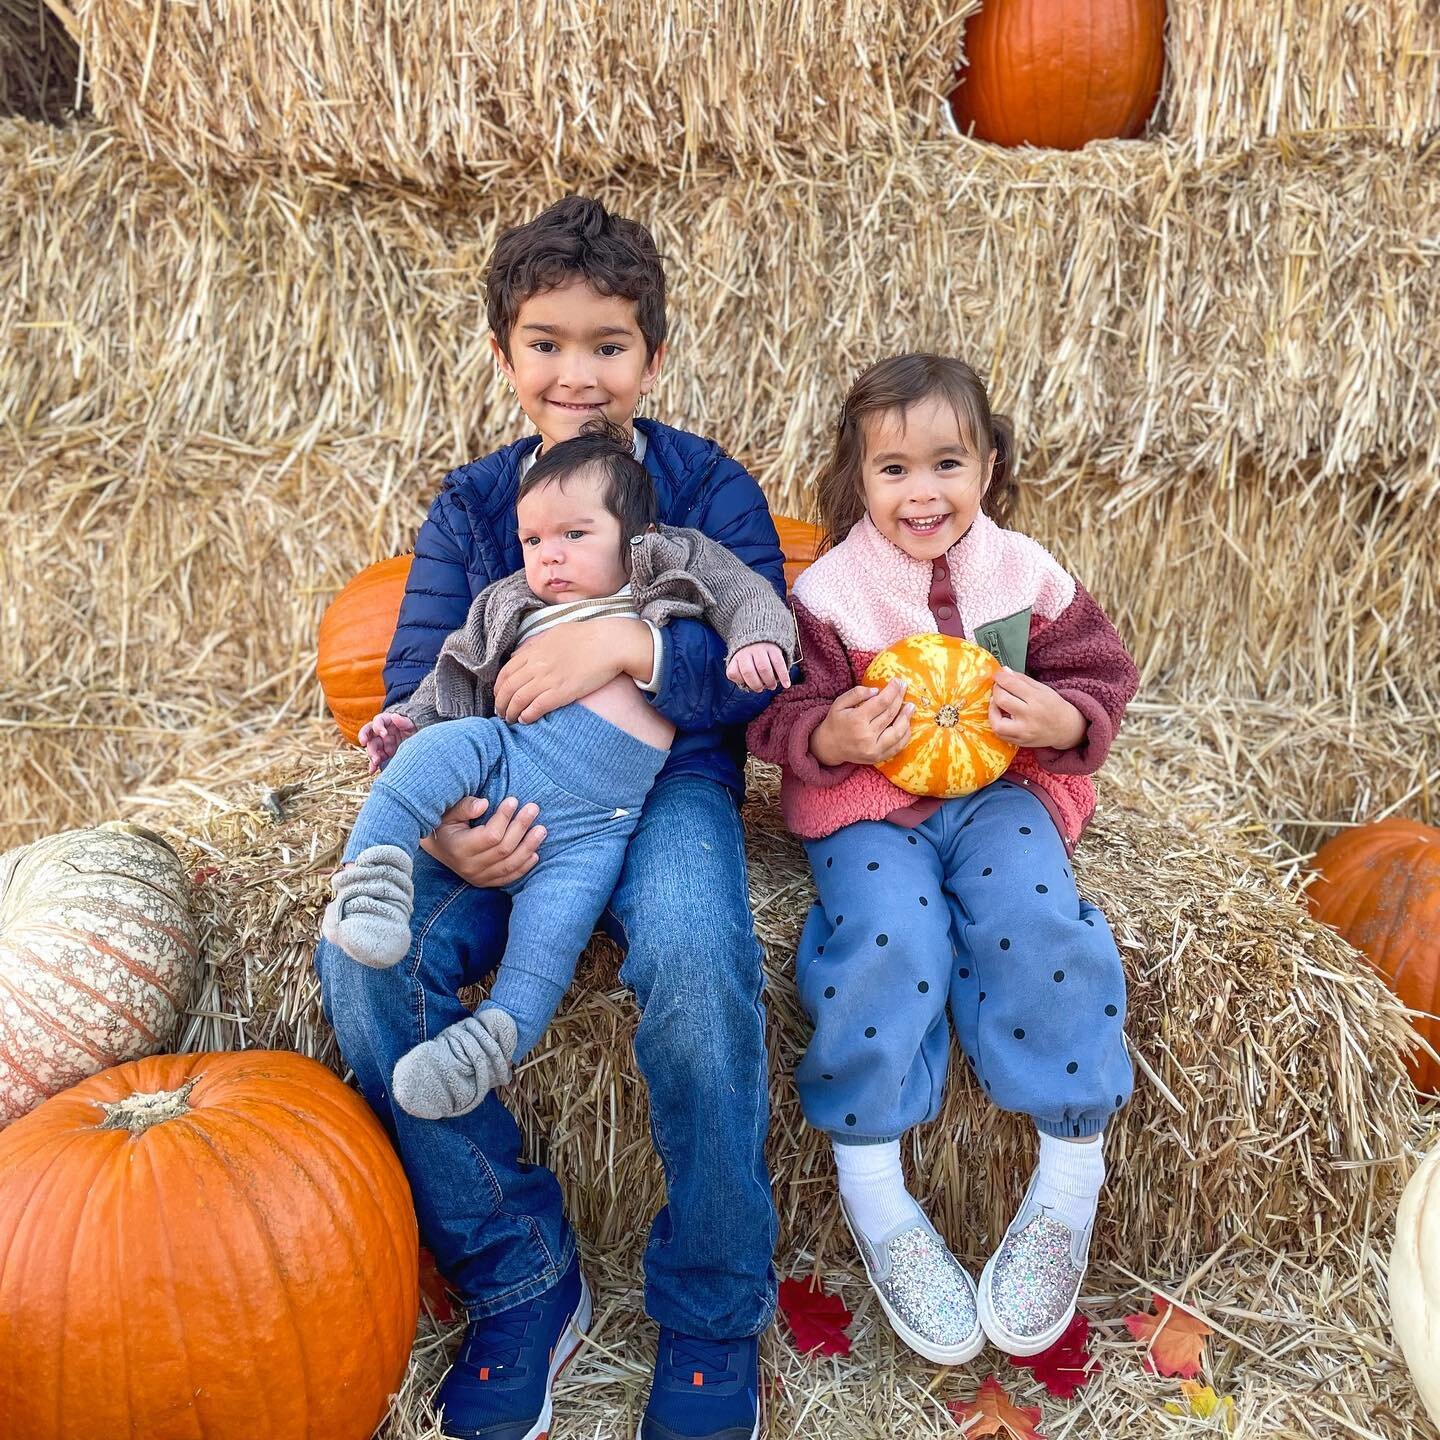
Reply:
x=926, y=1294
x=499, y=1386
x=703, y=1390
x=1030, y=1286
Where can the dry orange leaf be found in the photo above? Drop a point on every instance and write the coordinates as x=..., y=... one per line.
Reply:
x=992, y=1412
x=1175, y=1339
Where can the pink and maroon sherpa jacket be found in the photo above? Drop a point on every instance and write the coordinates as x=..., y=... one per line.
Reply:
x=867, y=593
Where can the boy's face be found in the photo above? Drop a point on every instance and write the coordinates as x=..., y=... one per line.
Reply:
x=571, y=542
x=575, y=354
x=923, y=484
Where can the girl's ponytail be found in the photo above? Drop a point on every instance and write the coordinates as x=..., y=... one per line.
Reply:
x=1003, y=495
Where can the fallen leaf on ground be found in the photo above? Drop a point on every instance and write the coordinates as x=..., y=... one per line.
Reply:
x=435, y=1291
x=992, y=1412
x=1066, y=1366
x=817, y=1319
x=1175, y=1339
x=1201, y=1400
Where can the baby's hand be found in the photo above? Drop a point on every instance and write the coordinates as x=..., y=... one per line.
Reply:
x=381, y=737
x=758, y=668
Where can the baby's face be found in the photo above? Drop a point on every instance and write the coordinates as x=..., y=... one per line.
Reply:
x=570, y=540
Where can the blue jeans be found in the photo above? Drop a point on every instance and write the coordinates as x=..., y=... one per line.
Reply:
x=496, y=1224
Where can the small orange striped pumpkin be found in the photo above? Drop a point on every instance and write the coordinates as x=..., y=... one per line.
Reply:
x=952, y=749
x=215, y=1245
x=98, y=950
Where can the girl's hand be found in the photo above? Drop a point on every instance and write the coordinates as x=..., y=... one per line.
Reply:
x=492, y=854
x=570, y=662
x=1028, y=712
x=381, y=737
x=759, y=668
x=864, y=726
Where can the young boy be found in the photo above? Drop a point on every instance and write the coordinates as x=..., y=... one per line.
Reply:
x=576, y=305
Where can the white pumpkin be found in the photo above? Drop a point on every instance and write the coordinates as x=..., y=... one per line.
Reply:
x=97, y=957
x=1415, y=1280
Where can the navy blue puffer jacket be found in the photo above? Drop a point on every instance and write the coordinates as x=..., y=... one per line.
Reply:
x=468, y=541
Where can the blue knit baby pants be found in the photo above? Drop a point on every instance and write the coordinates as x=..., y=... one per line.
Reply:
x=976, y=905
x=589, y=778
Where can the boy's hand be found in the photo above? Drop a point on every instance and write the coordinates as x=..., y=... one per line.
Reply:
x=1028, y=712
x=381, y=737
x=570, y=662
x=489, y=855
x=864, y=726
x=758, y=668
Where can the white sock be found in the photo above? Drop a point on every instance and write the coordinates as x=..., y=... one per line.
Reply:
x=873, y=1185
x=1071, y=1174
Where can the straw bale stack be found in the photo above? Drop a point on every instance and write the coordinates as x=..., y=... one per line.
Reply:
x=433, y=91
x=424, y=93
x=1101, y=293
x=1271, y=1106
x=1243, y=70
x=39, y=62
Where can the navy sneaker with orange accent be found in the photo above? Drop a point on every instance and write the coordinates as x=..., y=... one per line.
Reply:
x=499, y=1386
x=703, y=1390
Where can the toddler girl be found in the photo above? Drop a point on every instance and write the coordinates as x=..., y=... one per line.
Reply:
x=968, y=900
x=586, y=512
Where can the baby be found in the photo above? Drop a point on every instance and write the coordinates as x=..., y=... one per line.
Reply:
x=586, y=514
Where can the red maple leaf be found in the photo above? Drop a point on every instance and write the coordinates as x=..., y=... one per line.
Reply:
x=435, y=1290
x=817, y=1319
x=992, y=1412
x=1066, y=1366
x=1174, y=1338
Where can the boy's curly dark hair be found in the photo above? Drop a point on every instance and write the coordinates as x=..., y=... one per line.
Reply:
x=576, y=238
x=627, y=490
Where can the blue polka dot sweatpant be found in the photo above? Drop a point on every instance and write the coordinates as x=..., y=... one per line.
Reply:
x=976, y=905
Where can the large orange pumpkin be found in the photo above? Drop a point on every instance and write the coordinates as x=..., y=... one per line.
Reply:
x=1060, y=73
x=359, y=623
x=218, y=1246
x=97, y=957
x=800, y=544
x=1379, y=886
x=952, y=749
x=355, y=635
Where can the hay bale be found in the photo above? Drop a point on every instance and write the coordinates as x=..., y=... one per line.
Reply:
x=1099, y=291
x=39, y=63
x=1285, y=637
x=1244, y=70
x=438, y=90
x=425, y=92
x=1271, y=1106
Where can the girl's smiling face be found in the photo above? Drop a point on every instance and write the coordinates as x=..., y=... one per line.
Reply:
x=922, y=481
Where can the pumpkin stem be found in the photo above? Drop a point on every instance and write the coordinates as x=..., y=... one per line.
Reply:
x=137, y=1113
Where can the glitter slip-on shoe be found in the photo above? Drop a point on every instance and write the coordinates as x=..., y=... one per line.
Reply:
x=926, y=1294
x=1030, y=1285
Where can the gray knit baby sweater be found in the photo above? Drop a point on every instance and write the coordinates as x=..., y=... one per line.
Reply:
x=674, y=574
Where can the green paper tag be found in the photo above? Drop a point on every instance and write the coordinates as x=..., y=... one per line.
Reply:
x=1008, y=639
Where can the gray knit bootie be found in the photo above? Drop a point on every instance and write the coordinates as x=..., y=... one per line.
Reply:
x=369, y=918
x=454, y=1072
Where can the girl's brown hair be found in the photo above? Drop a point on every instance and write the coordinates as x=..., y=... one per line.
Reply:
x=894, y=385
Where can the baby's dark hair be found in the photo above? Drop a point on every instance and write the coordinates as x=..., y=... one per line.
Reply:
x=576, y=238
x=627, y=491
x=894, y=385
